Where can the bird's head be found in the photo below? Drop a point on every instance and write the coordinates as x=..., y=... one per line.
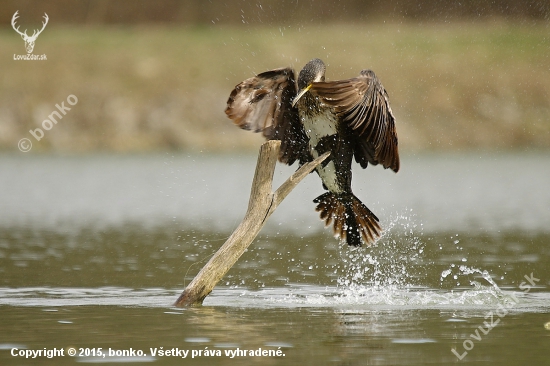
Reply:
x=314, y=71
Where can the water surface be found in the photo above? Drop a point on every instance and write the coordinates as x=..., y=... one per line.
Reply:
x=95, y=249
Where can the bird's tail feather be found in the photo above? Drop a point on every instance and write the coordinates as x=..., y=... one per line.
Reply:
x=352, y=219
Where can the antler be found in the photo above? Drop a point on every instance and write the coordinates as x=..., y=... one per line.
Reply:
x=24, y=34
x=15, y=16
x=35, y=35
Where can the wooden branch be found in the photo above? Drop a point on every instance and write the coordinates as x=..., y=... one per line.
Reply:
x=261, y=205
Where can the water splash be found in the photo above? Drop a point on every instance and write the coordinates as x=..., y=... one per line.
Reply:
x=392, y=262
x=396, y=271
x=463, y=270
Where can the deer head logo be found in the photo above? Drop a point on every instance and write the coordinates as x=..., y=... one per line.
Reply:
x=29, y=41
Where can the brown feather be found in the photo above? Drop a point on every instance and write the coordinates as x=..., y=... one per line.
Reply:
x=352, y=219
x=363, y=103
x=263, y=104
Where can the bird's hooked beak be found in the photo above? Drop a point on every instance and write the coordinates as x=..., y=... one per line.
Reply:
x=300, y=94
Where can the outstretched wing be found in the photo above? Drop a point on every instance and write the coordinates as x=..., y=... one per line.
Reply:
x=263, y=103
x=364, y=104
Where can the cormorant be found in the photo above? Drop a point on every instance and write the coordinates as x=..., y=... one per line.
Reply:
x=350, y=118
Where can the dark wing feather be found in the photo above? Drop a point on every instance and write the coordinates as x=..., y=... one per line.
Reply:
x=364, y=104
x=263, y=103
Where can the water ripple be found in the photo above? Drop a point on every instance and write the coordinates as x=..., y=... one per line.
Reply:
x=291, y=296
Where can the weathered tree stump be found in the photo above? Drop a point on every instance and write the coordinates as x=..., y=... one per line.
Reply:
x=261, y=205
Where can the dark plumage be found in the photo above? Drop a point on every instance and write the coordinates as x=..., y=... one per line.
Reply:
x=350, y=118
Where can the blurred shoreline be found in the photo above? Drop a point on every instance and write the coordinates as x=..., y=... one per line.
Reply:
x=453, y=86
